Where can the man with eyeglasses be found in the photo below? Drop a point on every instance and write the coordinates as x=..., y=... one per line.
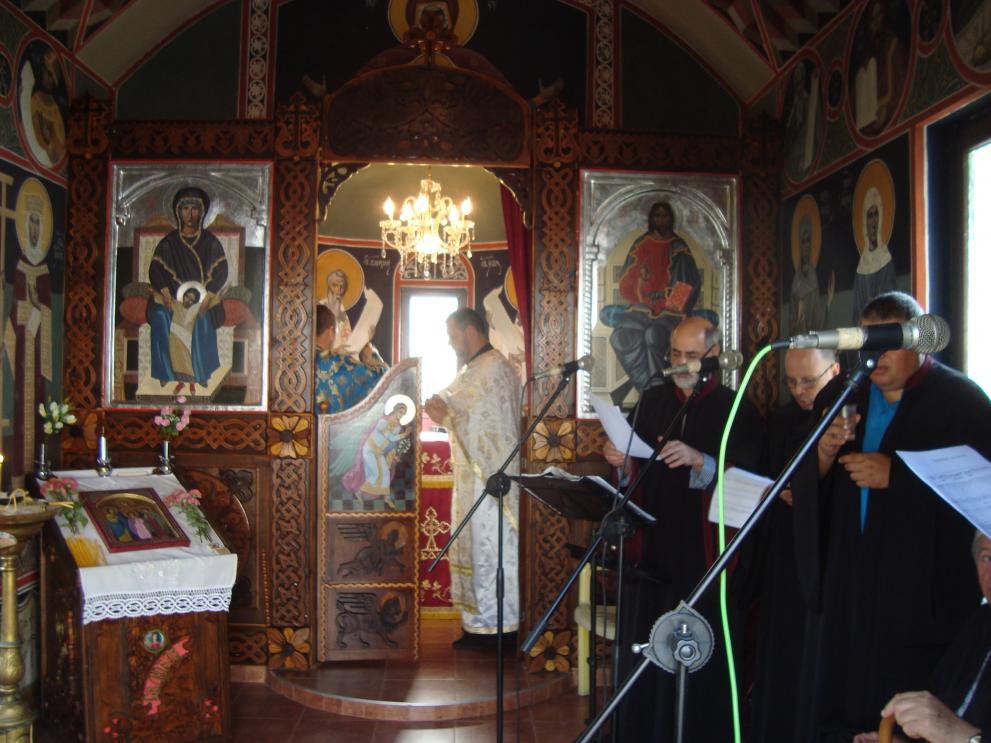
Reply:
x=679, y=548
x=768, y=577
x=891, y=575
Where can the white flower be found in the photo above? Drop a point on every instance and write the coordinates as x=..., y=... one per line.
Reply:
x=53, y=406
x=70, y=418
x=41, y=410
x=48, y=427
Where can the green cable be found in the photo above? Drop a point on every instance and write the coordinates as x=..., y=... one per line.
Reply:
x=722, y=539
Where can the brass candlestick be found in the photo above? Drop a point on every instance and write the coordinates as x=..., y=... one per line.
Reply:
x=16, y=528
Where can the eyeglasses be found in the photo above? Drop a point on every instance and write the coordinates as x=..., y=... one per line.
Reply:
x=806, y=383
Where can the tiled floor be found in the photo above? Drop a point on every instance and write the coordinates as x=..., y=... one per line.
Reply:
x=261, y=715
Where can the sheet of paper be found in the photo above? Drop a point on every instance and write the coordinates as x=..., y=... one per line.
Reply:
x=742, y=492
x=960, y=476
x=618, y=430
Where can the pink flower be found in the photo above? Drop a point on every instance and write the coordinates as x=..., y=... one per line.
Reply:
x=181, y=399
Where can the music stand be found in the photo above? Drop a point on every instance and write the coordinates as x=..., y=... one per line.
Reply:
x=585, y=498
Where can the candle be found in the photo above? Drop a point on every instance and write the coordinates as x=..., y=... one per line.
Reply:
x=101, y=448
x=1, y=472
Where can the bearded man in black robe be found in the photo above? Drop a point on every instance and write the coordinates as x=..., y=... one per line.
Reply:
x=895, y=573
x=678, y=550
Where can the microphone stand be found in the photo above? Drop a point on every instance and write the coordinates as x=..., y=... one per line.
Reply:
x=673, y=645
x=615, y=521
x=498, y=486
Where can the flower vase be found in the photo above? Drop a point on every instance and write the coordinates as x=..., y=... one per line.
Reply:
x=43, y=468
x=165, y=459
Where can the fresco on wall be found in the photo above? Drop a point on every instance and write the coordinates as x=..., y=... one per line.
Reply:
x=805, y=124
x=42, y=103
x=188, y=257
x=501, y=310
x=845, y=240
x=369, y=453
x=655, y=248
x=878, y=64
x=809, y=303
x=972, y=32
x=554, y=65
x=32, y=253
x=348, y=313
x=930, y=21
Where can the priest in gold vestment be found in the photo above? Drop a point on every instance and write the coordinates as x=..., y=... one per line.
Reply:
x=481, y=411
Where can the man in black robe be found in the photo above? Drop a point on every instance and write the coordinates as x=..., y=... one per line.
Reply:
x=895, y=575
x=677, y=551
x=781, y=614
x=958, y=708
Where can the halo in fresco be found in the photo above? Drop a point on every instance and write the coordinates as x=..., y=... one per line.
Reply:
x=874, y=175
x=336, y=259
x=394, y=526
x=395, y=400
x=33, y=220
x=807, y=208
x=509, y=287
x=42, y=103
x=462, y=14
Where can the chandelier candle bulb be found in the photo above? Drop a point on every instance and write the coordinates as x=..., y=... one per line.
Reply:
x=430, y=226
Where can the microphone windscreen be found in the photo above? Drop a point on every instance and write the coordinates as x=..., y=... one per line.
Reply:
x=933, y=333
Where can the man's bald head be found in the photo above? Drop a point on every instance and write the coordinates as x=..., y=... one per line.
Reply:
x=692, y=339
x=807, y=371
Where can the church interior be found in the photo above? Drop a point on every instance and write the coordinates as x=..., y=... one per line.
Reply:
x=809, y=154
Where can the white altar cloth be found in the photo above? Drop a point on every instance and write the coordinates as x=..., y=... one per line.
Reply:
x=138, y=583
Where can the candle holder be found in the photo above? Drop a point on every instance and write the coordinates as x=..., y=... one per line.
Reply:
x=16, y=528
x=42, y=467
x=165, y=459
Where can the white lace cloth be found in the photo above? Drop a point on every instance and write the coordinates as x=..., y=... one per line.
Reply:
x=141, y=583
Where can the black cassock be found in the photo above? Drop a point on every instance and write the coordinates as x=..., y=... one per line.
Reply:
x=894, y=596
x=956, y=676
x=767, y=579
x=675, y=555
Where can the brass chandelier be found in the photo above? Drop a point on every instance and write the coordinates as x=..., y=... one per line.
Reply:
x=430, y=228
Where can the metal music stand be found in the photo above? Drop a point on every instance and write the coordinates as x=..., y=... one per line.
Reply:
x=583, y=498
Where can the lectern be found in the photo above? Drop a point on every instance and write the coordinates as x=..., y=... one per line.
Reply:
x=134, y=635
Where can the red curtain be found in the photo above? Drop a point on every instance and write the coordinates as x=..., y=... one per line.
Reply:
x=520, y=255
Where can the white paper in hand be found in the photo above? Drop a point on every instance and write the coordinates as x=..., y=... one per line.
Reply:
x=618, y=430
x=960, y=476
x=742, y=492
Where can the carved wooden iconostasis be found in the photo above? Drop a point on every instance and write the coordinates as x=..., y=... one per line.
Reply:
x=257, y=467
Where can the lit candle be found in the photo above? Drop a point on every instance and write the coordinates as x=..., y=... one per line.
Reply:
x=1, y=472
x=101, y=448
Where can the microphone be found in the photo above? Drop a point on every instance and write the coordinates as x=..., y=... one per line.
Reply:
x=924, y=334
x=725, y=360
x=584, y=363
